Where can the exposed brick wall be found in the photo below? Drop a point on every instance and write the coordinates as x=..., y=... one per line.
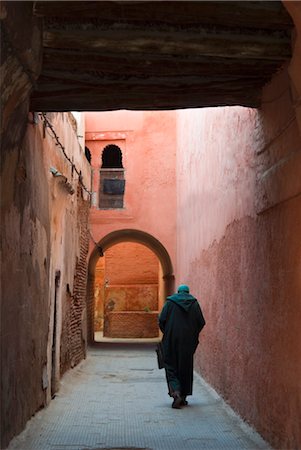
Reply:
x=124, y=324
x=130, y=263
x=90, y=307
x=73, y=331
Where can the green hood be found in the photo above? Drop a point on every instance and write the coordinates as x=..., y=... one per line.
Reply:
x=184, y=300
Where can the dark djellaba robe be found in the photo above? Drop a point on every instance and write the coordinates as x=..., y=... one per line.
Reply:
x=181, y=321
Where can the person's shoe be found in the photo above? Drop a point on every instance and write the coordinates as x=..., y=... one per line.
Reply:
x=184, y=401
x=177, y=403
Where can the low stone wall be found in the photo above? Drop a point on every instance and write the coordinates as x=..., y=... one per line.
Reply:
x=131, y=324
x=138, y=297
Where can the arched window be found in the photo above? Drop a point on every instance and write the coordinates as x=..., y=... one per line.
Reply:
x=112, y=157
x=112, y=182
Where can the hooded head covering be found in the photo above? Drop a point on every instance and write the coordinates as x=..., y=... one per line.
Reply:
x=183, y=288
x=183, y=298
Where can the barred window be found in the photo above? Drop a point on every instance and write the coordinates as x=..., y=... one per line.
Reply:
x=112, y=182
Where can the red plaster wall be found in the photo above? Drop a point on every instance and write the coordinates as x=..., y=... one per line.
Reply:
x=239, y=249
x=130, y=263
x=131, y=297
x=126, y=280
x=148, y=144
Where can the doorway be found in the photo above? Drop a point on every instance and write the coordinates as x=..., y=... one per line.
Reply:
x=54, y=335
x=127, y=292
x=127, y=286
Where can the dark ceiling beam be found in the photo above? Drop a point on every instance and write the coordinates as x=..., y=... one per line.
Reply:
x=81, y=101
x=59, y=97
x=159, y=55
x=252, y=14
x=176, y=43
x=61, y=61
x=53, y=78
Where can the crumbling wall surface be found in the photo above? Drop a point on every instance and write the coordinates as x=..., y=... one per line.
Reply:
x=44, y=246
x=77, y=345
x=68, y=178
x=21, y=57
x=24, y=234
x=239, y=249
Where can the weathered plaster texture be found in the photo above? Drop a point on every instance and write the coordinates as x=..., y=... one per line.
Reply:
x=21, y=57
x=136, y=297
x=148, y=147
x=131, y=263
x=25, y=275
x=239, y=249
x=126, y=279
x=42, y=225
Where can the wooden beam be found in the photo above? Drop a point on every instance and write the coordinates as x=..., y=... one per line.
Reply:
x=136, y=88
x=138, y=65
x=50, y=79
x=251, y=14
x=159, y=54
x=150, y=42
x=90, y=101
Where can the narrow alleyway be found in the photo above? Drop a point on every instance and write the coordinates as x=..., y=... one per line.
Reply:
x=117, y=399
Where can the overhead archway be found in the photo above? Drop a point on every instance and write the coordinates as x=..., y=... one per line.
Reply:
x=116, y=237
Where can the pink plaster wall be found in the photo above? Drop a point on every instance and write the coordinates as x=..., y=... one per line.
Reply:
x=239, y=249
x=148, y=144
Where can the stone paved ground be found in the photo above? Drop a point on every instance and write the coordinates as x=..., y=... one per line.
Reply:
x=117, y=399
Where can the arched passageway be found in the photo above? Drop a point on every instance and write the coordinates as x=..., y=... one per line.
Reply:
x=127, y=293
x=165, y=278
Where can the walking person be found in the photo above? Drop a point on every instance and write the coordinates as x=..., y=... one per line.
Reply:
x=180, y=321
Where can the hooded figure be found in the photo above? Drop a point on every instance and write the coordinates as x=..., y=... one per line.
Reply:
x=180, y=321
